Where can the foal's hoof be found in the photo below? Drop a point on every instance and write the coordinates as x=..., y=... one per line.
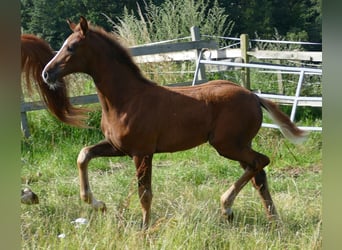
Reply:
x=274, y=221
x=144, y=227
x=103, y=209
x=228, y=214
x=99, y=206
x=230, y=217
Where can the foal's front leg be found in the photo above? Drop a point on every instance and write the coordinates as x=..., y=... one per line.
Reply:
x=144, y=174
x=102, y=149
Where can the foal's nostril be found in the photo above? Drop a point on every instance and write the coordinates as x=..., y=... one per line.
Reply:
x=45, y=75
x=49, y=75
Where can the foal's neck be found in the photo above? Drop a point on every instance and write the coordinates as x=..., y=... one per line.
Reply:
x=118, y=79
x=118, y=86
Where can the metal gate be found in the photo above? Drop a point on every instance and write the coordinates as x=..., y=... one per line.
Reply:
x=294, y=100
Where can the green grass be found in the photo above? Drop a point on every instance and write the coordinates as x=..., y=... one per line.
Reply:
x=186, y=205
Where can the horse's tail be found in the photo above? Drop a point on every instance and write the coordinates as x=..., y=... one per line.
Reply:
x=287, y=127
x=35, y=54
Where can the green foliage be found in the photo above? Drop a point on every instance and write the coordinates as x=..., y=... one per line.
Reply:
x=47, y=18
x=263, y=16
x=295, y=37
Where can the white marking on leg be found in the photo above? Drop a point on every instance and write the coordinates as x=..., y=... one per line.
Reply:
x=81, y=156
x=227, y=200
x=228, y=197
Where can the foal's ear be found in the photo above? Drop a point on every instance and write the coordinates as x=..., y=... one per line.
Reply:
x=71, y=24
x=84, y=25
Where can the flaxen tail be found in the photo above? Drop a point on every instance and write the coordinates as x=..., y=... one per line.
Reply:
x=287, y=127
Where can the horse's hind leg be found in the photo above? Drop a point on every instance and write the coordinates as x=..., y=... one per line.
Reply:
x=253, y=162
x=260, y=183
x=144, y=175
x=101, y=149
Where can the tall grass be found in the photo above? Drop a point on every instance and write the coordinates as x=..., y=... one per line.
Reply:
x=187, y=187
x=170, y=20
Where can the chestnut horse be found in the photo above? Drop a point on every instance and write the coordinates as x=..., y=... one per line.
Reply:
x=35, y=54
x=140, y=118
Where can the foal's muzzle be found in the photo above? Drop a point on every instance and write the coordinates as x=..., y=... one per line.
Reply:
x=49, y=77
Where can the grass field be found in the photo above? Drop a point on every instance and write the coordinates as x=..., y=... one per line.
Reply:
x=186, y=205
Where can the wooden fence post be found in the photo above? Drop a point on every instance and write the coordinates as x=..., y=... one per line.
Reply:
x=24, y=125
x=24, y=122
x=245, y=72
x=196, y=36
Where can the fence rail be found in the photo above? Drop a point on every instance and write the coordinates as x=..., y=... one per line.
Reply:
x=194, y=51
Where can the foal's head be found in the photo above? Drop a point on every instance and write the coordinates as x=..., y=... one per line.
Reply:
x=35, y=54
x=93, y=51
x=88, y=48
x=69, y=58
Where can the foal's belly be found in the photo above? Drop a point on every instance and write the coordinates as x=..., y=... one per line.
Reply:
x=181, y=138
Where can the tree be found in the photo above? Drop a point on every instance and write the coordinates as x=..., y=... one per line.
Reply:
x=295, y=19
x=288, y=17
x=47, y=18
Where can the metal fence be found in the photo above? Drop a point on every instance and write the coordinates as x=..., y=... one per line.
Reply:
x=295, y=101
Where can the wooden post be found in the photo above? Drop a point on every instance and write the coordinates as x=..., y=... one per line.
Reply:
x=196, y=36
x=280, y=79
x=24, y=122
x=245, y=72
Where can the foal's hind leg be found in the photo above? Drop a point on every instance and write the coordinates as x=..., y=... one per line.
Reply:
x=260, y=183
x=253, y=162
x=101, y=149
